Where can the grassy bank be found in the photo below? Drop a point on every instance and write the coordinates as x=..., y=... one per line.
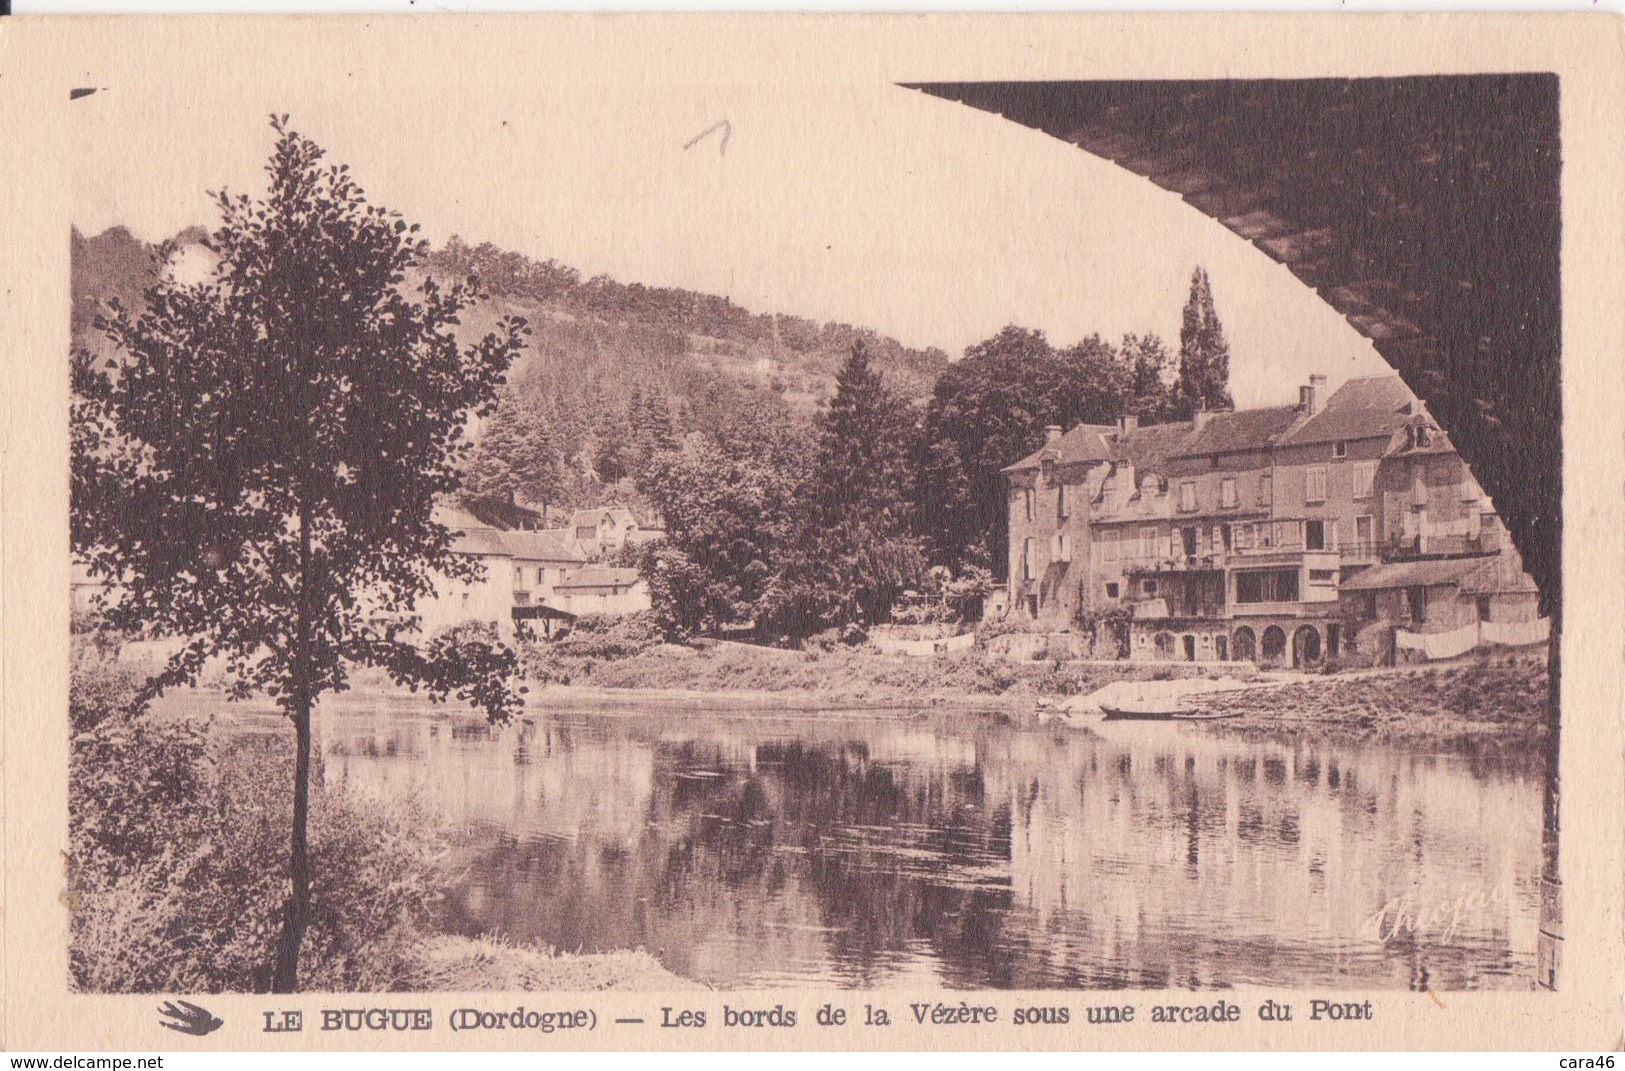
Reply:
x=841, y=676
x=458, y=964
x=1500, y=698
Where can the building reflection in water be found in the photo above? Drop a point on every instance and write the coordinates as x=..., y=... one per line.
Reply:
x=872, y=851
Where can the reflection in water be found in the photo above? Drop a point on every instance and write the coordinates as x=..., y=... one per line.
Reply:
x=869, y=850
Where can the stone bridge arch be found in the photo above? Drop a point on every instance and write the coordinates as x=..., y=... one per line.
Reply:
x=1425, y=209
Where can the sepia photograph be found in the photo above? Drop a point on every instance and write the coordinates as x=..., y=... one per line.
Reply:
x=564, y=530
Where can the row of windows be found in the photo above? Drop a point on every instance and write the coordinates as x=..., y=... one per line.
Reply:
x=1063, y=502
x=1060, y=550
x=1365, y=480
x=1364, y=474
x=1185, y=541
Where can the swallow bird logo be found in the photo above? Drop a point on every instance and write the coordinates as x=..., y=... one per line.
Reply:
x=189, y=1018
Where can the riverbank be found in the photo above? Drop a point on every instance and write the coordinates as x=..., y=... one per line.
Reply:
x=1501, y=697
x=450, y=964
x=1490, y=699
x=737, y=675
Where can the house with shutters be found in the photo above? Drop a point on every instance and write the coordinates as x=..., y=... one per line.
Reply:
x=1236, y=535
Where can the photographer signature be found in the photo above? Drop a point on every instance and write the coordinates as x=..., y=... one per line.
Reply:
x=1409, y=913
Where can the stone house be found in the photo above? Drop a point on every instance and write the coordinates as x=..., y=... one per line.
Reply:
x=1232, y=535
x=600, y=590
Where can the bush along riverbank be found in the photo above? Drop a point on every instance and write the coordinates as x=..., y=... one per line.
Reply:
x=178, y=868
x=1501, y=698
x=629, y=654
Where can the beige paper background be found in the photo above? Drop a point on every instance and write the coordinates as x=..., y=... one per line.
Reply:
x=40, y=60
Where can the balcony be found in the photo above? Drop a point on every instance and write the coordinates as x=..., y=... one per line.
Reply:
x=1183, y=563
x=1361, y=550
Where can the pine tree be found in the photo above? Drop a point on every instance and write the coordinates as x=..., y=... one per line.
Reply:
x=1204, y=355
x=1149, y=395
x=855, y=551
x=516, y=458
x=612, y=453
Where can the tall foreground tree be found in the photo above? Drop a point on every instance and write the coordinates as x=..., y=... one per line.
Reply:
x=1204, y=355
x=256, y=469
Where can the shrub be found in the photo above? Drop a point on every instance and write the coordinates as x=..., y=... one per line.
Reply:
x=179, y=859
x=594, y=638
x=99, y=687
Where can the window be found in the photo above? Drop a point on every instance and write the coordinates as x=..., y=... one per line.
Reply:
x=1187, y=496
x=1027, y=559
x=1315, y=484
x=1362, y=534
x=1365, y=479
x=1063, y=503
x=1417, y=601
x=1340, y=449
x=1027, y=501
x=1277, y=585
x=1113, y=589
x=1148, y=543
x=1314, y=535
x=1266, y=490
x=1227, y=495
x=1148, y=587
x=1323, y=576
x=1063, y=548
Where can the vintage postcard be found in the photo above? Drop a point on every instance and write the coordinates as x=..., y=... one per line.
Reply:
x=813, y=533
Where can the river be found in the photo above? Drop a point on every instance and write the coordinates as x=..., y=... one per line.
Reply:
x=863, y=849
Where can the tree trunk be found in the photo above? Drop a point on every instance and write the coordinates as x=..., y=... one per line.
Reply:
x=296, y=913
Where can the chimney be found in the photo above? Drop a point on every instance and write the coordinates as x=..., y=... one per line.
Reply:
x=1052, y=433
x=1310, y=397
x=1126, y=423
x=1200, y=418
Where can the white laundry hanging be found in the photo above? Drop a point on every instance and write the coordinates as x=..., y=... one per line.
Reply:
x=1436, y=646
x=1517, y=633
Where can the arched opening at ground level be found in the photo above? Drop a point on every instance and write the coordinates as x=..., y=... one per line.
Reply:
x=1245, y=645
x=1274, y=645
x=1306, y=647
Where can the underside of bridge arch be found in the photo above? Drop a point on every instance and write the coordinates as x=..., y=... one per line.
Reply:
x=1424, y=209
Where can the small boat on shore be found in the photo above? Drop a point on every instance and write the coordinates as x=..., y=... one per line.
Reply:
x=1162, y=712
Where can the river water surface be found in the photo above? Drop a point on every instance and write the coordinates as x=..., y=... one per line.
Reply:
x=862, y=849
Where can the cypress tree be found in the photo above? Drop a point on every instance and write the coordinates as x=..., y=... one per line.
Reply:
x=1204, y=354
